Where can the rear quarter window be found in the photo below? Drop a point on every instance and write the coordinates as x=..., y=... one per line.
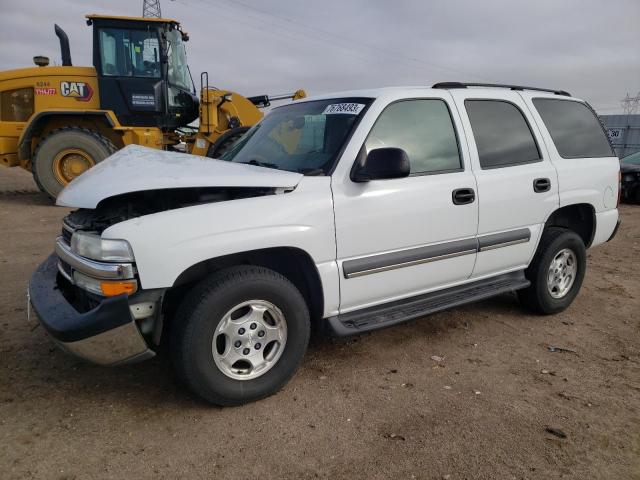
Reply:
x=574, y=128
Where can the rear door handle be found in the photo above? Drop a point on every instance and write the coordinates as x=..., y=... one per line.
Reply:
x=463, y=196
x=541, y=185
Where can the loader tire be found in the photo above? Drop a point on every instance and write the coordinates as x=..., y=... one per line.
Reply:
x=66, y=153
x=224, y=141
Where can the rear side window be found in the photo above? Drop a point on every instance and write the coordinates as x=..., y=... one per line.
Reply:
x=423, y=129
x=574, y=128
x=502, y=134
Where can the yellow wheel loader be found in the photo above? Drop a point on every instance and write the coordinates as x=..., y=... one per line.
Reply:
x=59, y=121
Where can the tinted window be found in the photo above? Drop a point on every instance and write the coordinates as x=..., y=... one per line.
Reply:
x=502, y=134
x=574, y=128
x=422, y=128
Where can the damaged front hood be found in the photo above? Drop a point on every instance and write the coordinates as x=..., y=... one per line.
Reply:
x=138, y=169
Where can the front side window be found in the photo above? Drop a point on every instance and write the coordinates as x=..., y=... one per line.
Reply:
x=423, y=129
x=304, y=137
x=16, y=105
x=574, y=128
x=502, y=134
x=129, y=53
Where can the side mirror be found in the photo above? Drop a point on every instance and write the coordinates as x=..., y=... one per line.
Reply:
x=382, y=164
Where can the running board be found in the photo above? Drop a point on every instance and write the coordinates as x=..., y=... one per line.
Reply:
x=388, y=314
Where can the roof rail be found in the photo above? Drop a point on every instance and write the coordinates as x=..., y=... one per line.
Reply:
x=447, y=85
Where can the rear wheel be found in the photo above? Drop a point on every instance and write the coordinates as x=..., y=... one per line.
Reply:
x=239, y=335
x=556, y=272
x=65, y=154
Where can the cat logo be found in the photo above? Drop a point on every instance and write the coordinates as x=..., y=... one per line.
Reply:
x=78, y=90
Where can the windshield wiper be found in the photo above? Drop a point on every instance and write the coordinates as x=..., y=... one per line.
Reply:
x=258, y=163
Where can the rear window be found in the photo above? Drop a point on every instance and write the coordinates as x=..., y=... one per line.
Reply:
x=574, y=128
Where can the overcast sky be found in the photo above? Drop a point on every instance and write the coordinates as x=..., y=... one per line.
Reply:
x=589, y=47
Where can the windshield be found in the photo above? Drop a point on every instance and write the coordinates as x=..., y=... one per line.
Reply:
x=301, y=137
x=633, y=159
x=178, y=74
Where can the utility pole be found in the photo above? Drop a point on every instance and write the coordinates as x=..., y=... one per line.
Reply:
x=151, y=8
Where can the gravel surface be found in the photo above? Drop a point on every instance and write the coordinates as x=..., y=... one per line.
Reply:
x=470, y=393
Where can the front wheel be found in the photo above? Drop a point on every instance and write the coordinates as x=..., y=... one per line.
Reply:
x=556, y=272
x=239, y=335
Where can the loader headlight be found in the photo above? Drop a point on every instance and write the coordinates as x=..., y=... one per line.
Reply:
x=93, y=246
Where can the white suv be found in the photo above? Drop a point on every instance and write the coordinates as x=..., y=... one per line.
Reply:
x=356, y=210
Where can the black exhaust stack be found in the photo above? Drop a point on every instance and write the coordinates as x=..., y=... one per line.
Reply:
x=64, y=46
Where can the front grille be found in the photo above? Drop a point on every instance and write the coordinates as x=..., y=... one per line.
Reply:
x=81, y=300
x=67, y=231
x=66, y=234
x=66, y=268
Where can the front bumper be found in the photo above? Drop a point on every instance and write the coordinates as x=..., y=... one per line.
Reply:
x=615, y=230
x=106, y=335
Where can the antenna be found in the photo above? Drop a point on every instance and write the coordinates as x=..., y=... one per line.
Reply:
x=151, y=8
x=631, y=105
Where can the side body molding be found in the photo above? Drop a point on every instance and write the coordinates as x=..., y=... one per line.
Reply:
x=431, y=253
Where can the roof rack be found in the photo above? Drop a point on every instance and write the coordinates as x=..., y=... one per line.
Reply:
x=447, y=85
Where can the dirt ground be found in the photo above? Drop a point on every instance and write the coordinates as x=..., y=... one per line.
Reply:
x=375, y=406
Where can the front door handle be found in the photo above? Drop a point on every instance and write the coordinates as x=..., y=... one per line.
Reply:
x=463, y=196
x=541, y=185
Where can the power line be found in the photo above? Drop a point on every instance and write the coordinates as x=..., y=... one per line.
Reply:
x=375, y=48
x=326, y=37
x=276, y=33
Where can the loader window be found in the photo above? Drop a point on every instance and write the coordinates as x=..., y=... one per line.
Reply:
x=179, y=75
x=303, y=137
x=129, y=53
x=16, y=105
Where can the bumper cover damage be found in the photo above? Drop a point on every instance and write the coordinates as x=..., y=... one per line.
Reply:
x=105, y=335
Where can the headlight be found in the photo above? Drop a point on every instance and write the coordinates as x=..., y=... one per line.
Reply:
x=93, y=246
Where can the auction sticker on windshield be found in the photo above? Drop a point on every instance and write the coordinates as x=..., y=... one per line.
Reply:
x=347, y=108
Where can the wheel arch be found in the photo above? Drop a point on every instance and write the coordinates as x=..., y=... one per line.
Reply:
x=579, y=217
x=293, y=263
x=37, y=126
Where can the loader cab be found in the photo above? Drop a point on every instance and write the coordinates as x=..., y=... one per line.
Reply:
x=142, y=71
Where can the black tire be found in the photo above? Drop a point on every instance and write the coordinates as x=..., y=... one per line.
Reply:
x=537, y=296
x=92, y=143
x=202, y=310
x=224, y=141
